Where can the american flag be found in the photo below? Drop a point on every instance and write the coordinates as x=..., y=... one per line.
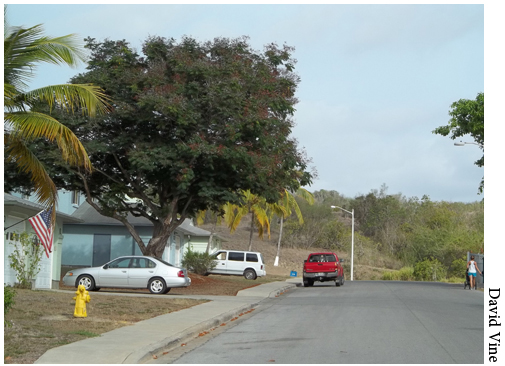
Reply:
x=41, y=223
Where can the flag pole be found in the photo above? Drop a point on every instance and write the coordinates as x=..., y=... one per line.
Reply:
x=16, y=223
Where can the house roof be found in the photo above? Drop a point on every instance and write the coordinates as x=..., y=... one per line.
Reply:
x=34, y=208
x=89, y=216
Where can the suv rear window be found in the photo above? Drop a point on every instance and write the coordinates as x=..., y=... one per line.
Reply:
x=234, y=256
x=250, y=257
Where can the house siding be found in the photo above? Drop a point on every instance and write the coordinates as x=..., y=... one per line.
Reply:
x=80, y=252
x=49, y=275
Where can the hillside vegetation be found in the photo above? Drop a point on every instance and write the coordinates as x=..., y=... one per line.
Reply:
x=395, y=237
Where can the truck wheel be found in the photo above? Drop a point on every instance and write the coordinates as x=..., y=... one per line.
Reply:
x=339, y=283
x=307, y=282
x=249, y=274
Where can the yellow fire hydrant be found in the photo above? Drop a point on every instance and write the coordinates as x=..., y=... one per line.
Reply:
x=81, y=298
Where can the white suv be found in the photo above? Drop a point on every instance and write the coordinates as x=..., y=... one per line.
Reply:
x=239, y=263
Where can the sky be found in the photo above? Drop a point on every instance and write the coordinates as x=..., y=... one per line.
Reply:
x=376, y=80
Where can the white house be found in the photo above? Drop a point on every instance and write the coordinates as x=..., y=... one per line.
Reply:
x=83, y=237
x=17, y=211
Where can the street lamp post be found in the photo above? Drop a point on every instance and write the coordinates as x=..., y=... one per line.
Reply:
x=352, y=239
x=461, y=143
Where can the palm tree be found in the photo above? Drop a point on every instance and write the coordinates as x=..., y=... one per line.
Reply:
x=288, y=202
x=23, y=49
x=227, y=208
x=254, y=205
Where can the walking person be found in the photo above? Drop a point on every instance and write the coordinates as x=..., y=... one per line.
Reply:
x=472, y=272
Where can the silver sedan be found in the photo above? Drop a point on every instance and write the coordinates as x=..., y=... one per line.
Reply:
x=130, y=272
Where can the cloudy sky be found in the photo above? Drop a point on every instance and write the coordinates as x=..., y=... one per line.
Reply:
x=375, y=80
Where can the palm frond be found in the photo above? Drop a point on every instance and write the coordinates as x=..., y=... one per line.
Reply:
x=70, y=97
x=31, y=125
x=45, y=190
x=25, y=47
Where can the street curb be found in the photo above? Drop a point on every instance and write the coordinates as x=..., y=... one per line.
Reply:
x=146, y=354
x=280, y=291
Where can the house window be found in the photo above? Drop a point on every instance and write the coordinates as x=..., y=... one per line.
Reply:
x=75, y=197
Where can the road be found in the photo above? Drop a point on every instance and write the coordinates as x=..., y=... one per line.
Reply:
x=364, y=322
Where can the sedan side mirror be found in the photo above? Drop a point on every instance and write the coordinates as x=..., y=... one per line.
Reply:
x=106, y=266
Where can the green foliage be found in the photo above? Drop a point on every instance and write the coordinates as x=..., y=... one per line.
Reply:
x=24, y=49
x=194, y=125
x=429, y=270
x=388, y=276
x=199, y=263
x=25, y=259
x=467, y=118
x=458, y=268
x=311, y=232
x=404, y=274
x=9, y=294
x=335, y=236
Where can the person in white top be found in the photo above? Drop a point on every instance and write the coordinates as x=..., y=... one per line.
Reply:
x=472, y=272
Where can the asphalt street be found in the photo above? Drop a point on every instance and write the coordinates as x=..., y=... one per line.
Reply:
x=365, y=322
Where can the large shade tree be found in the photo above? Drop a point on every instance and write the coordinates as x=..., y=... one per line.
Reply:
x=193, y=126
x=24, y=48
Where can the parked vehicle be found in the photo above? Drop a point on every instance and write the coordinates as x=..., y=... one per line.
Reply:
x=239, y=263
x=130, y=272
x=323, y=267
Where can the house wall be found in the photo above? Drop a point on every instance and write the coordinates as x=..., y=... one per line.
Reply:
x=65, y=204
x=78, y=242
x=50, y=268
x=199, y=244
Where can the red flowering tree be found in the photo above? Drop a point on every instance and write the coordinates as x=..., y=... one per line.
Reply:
x=193, y=125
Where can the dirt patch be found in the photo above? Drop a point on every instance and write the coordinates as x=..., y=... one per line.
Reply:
x=42, y=320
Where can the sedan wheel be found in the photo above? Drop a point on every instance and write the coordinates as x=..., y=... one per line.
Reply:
x=157, y=286
x=87, y=281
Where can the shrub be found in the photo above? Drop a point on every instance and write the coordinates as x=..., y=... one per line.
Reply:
x=429, y=270
x=9, y=294
x=25, y=259
x=406, y=274
x=458, y=268
x=199, y=263
x=388, y=276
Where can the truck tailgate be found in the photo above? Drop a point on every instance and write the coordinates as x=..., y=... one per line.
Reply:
x=320, y=267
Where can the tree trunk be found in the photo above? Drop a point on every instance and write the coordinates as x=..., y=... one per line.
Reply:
x=276, y=263
x=251, y=233
x=209, y=243
x=156, y=246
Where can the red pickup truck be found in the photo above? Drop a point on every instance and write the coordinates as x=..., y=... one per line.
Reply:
x=323, y=267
